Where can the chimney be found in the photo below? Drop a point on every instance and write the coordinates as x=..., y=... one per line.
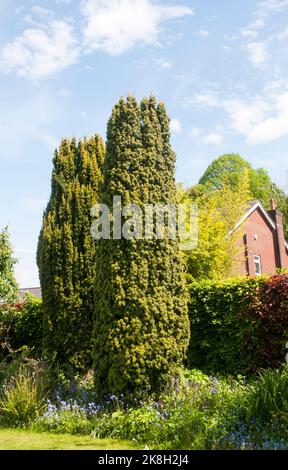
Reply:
x=280, y=249
x=273, y=204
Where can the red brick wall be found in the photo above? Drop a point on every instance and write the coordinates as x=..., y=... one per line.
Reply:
x=263, y=246
x=281, y=259
x=286, y=259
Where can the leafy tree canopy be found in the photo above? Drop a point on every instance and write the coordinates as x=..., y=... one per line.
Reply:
x=8, y=284
x=230, y=167
x=219, y=247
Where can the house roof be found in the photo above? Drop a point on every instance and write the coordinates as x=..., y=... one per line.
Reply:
x=253, y=206
x=36, y=291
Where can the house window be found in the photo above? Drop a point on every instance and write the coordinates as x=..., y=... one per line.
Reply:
x=257, y=264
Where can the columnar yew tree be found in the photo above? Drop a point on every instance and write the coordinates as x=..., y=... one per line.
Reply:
x=141, y=327
x=66, y=251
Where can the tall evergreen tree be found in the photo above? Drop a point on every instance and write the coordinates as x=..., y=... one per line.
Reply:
x=66, y=251
x=141, y=327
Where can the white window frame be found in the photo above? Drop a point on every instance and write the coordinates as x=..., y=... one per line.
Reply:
x=257, y=263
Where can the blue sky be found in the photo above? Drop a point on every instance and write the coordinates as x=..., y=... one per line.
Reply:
x=220, y=67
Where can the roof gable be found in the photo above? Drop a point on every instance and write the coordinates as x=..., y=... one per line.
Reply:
x=256, y=205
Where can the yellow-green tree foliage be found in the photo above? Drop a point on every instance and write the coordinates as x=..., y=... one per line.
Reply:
x=219, y=245
x=66, y=251
x=8, y=284
x=141, y=329
x=230, y=167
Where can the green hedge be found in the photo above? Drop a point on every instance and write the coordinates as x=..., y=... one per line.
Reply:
x=21, y=327
x=237, y=326
x=219, y=326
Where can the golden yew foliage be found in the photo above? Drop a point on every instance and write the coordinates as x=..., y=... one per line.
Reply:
x=66, y=251
x=141, y=328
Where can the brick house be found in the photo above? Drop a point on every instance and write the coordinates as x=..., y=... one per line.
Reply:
x=264, y=246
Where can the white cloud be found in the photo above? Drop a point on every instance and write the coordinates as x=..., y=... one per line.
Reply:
x=164, y=63
x=260, y=119
x=203, y=33
x=258, y=53
x=283, y=35
x=252, y=30
x=273, y=127
x=244, y=115
x=207, y=99
x=275, y=87
x=64, y=92
x=175, y=126
x=49, y=45
x=249, y=33
x=213, y=139
x=268, y=7
x=201, y=136
x=195, y=133
x=41, y=52
x=43, y=13
x=118, y=25
x=258, y=24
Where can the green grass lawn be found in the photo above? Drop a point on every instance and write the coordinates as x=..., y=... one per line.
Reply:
x=14, y=439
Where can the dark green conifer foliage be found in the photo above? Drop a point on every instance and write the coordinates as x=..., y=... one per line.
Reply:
x=141, y=327
x=66, y=252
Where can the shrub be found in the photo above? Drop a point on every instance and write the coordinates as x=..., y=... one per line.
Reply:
x=8, y=284
x=217, y=330
x=22, y=398
x=268, y=312
x=238, y=325
x=268, y=395
x=21, y=327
